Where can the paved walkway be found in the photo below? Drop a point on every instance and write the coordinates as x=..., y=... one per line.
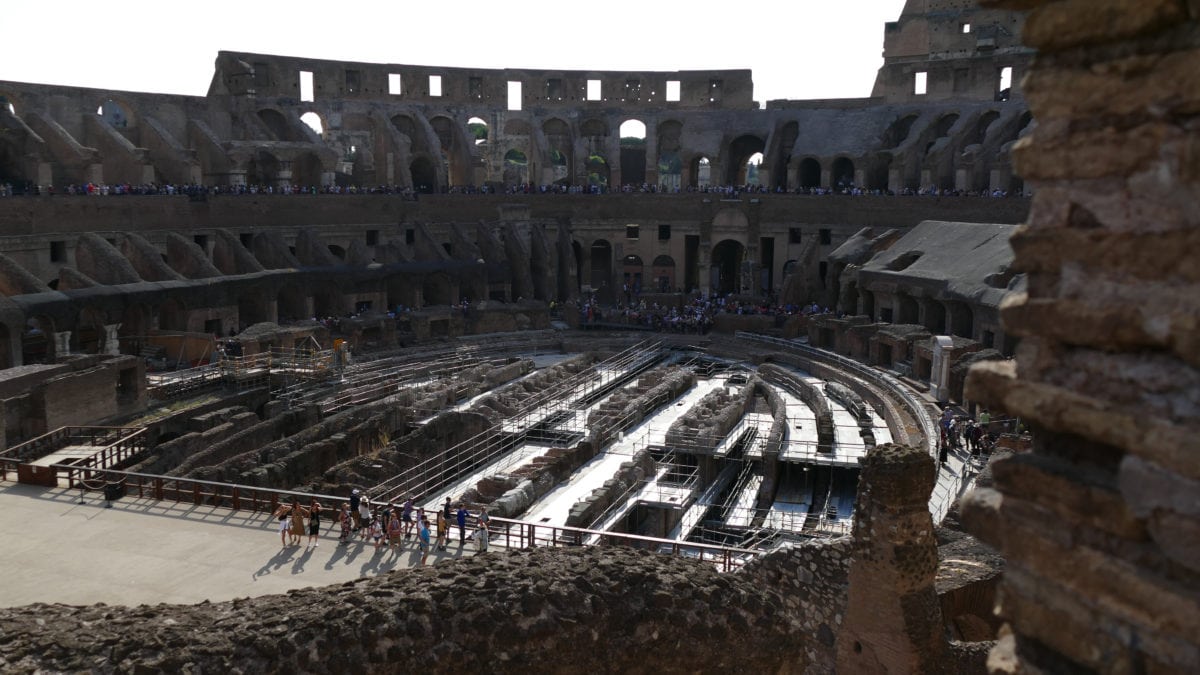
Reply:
x=143, y=551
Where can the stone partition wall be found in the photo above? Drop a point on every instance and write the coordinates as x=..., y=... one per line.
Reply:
x=1100, y=522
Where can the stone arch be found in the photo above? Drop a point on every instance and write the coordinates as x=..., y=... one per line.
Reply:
x=254, y=306
x=935, y=317
x=328, y=300
x=313, y=120
x=842, y=173
x=478, y=130
x=597, y=170
x=726, y=273
x=601, y=258
x=979, y=133
x=455, y=156
x=307, y=171
x=808, y=174
x=424, y=175
x=670, y=162
x=907, y=310
x=117, y=113
x=662, y=274
x=516, y=167
x=633, y=151
x=172, y=315
x=898, y=131
x=37, y=340
x=737, y=155
x=560, y=148
x=263, y=168
x=701, y=172
x=277, y=124
x=593, y=128
x=435, y=289
x=877, y=174
x=962, y=319
x=407, y=126
x=632, y=272
x=291, y=304
x=13, y=164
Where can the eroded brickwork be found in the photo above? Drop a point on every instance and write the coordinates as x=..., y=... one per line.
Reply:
x=1100, y=522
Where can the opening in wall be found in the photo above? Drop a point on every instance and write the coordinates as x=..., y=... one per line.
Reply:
x=672, y=90
x=514, y=95
x=394, y=84
x=920, y=80
x=1004, y=86
x=435, y=85
x=631, y=231
x=593, y=90
x=58, y=251
x=664, y=232
x=306, y=85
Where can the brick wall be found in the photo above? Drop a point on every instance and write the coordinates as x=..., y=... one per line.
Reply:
x=1100, y=523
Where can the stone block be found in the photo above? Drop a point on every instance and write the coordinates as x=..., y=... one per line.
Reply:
x=1074, y=23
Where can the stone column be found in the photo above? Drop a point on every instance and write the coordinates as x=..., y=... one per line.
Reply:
x=62, y=344
x=939, y=378
x=112, y=343
x=893, y=622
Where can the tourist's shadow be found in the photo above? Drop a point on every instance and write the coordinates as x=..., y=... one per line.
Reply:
x=278, y=560
x=298, y=566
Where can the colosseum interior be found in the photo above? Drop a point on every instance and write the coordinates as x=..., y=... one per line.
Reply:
x=690, y=353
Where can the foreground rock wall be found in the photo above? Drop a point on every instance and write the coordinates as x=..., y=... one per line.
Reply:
x=1100, y=523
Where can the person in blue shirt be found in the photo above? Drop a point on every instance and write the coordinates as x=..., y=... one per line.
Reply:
x=461, y=514
x=423, y=538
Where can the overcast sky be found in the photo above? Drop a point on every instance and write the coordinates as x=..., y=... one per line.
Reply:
x=797, y=49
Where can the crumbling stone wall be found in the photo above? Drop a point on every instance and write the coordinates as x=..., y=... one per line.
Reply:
x=1100, y=522
x=702, y=427
x=598, y=609
x=630, y=474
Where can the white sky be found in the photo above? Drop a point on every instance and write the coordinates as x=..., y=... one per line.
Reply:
x=797, y=49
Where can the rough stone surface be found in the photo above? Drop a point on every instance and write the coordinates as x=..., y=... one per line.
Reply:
x=1098, y=519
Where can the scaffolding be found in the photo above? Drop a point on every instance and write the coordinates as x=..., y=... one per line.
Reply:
x=547, y=414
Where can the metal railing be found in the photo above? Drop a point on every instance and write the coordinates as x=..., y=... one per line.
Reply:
x=893, y=387
x=502, y=531
x=115, y=443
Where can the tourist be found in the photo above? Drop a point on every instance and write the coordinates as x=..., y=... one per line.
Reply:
x=423, y=538
x=442, y=526
x=297, y=527
x=347, y=523
x=481, y=531
x=314, y=524
x=446, y=509
x=462, y=525
x=282, y=514
x=408, y=517
x=376, y=528
x=355, y=499
x=364, y=514
x=395, y=530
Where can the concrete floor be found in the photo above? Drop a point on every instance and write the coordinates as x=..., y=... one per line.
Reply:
x=146, y=552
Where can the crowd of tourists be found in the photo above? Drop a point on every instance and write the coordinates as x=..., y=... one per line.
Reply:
x=696, y=314
x=385, y=526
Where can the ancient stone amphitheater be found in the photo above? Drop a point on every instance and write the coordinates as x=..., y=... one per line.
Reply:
x=327, y=276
